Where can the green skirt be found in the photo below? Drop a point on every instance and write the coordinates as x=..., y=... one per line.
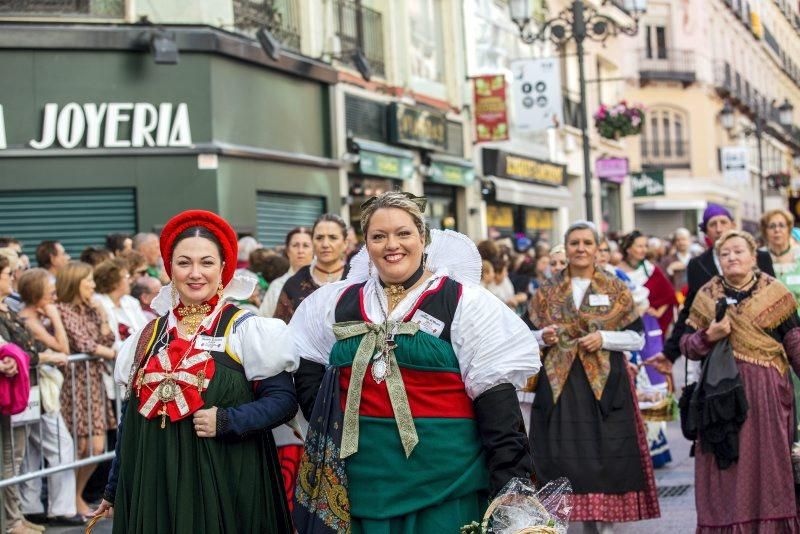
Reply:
x=172, y=481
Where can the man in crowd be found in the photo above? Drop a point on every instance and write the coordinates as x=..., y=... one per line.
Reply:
x=716, y=221
x=51, y=255
x=148, y=245
x=145, y=290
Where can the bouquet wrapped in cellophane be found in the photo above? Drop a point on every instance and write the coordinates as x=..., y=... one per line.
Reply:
x=520, y=509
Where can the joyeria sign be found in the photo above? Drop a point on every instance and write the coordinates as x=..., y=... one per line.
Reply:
x=110, y=125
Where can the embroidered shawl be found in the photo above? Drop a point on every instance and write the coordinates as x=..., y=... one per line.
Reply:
x=768, y=306
x=553, y=305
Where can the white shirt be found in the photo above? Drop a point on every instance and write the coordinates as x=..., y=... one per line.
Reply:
x=129, y=313
x=493, y=346
x=272, y=295
x=263, y=347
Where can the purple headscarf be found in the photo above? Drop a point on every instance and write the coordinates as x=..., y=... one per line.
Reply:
x=713, y=210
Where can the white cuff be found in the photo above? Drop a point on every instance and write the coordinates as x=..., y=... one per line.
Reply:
x=619, y=341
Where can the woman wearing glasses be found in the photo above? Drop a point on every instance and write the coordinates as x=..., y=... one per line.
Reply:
x=776, y=227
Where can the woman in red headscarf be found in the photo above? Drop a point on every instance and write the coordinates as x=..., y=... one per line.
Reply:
x=206, y=381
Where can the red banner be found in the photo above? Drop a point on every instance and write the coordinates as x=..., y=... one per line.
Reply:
x=491, y=117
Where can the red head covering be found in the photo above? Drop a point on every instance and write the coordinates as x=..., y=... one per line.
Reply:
x=214, y=224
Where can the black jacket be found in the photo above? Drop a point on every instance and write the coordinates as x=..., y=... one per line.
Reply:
x=699, y=271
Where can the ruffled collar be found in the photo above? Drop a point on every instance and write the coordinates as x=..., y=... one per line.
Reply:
x=449, y=253
x=239, y=288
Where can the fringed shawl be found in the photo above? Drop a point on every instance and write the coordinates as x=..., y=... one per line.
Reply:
x=552, y=305
x=768, y=306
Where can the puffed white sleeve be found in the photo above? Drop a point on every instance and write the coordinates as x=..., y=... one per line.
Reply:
x=492, y=344
x=125, y=358
x=264, y=346
x=312, y=323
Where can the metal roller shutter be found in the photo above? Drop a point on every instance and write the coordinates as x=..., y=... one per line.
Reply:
x=278, y=213
x=78, y=218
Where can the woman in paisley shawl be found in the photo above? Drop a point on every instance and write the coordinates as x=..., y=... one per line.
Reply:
x=585, y=423
x=424, y=363
x=757, y=492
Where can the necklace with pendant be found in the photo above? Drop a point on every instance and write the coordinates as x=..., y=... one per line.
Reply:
x=329, y=274
x=397, y=292
x=192, y=315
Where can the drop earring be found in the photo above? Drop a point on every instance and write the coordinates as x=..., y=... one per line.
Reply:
x=369, y=268
x=174, y=295
x=219, y=290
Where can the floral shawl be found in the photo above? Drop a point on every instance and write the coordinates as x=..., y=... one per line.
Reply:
x=553, y=305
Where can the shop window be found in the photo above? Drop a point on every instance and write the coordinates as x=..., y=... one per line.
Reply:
x=610, y=205
x=278, y=213
x=441, y=209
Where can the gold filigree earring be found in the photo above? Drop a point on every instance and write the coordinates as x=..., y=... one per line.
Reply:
x=369, y=267
x=219, y=290
x=174, y=295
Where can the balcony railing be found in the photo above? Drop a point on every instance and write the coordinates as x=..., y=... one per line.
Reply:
x=667, y=64
x=360, y=27
x=114, y=9
x=667, y=154
x=281, y=18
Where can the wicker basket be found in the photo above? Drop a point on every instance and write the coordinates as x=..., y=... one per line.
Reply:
x=665, y=409
x=510, y=499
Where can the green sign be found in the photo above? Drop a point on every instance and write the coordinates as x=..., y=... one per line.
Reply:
x=377, y=164
x=444, y=173
x=648, y=184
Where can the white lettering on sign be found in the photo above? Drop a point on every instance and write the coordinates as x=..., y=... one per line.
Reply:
x=2, y=130
x=106, y=125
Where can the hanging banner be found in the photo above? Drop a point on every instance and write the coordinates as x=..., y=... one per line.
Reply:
x=537, y=94
x=733, y=162
x=491, y=116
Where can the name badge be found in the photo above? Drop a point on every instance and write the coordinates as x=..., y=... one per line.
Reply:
x=599, y=300
x=428, y=323
x=793, y=280
x=213, y=344
x=731, y=301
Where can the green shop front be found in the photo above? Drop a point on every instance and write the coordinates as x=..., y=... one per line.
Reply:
x=394, y=146
x=96, y=138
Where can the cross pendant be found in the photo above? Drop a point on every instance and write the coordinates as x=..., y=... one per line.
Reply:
x=163, y=414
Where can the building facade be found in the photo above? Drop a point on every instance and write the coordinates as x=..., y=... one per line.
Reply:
x=691, y=57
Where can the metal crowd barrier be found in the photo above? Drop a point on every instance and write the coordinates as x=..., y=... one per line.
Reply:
x=31, y=424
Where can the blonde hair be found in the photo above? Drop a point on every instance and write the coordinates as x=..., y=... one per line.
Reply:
x=68, y=280
x=13, y=257
x=398, y=200
x=787, y=216
x=730, y=234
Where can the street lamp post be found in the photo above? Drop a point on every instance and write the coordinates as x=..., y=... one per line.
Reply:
x=760, y=121
x=577, y=22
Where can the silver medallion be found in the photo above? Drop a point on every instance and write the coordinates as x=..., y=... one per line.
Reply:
x=379, y=370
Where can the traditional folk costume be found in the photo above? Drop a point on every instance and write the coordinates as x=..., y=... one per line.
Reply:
x=757, y=493
x=165, y=477
x=289, y=438
x=789, y=275
x=416, y=421
x=660, y=293
x=585, y=422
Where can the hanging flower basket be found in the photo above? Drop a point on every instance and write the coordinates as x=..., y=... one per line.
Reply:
x=621, y=120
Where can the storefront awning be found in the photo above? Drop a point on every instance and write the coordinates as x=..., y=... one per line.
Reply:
x=529, y=194
x=450, y=170
x=378, y=159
